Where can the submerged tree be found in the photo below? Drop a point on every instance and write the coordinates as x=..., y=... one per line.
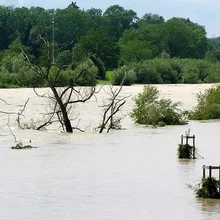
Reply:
x=114, y=105
x=208, y=106
x=63, y=98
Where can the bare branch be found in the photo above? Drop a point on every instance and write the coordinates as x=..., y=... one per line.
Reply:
x=112, y=108
x=21, y=112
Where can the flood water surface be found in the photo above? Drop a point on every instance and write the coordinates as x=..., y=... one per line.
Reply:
x=131, y=174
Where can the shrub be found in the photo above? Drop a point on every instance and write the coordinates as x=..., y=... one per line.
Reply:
x=185, y=151
x=208, y=106
x=190, y=74
x=165, y=70
x=85, y=74
x=147, y=73
x=150, y=110
x=125, y=74
x=209, y=188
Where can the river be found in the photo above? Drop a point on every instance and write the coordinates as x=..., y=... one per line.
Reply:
x=129, y=174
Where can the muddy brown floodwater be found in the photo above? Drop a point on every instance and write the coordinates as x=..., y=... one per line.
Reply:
x=131, y=174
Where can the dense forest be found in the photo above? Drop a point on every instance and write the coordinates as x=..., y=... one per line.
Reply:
x=148, y=49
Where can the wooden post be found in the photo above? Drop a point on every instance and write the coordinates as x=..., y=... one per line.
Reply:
x=203, y=169
x=194, y=148
x=219, y=174
x=210, y=171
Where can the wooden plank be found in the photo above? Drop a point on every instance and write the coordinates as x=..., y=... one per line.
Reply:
x=189, y=137
x=211, y=167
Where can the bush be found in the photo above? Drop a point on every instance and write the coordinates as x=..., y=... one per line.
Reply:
x=165, y=70
x=147, y=73
x=149, y=110
x=209, y=188
x=208, y=106
x=185, y=151
x=190, y=74
x=85, y=74
x=125, y=74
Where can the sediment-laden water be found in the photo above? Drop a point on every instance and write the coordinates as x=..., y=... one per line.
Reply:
x=129, y=174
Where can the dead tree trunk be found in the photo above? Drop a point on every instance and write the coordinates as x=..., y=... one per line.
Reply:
x=66, y=120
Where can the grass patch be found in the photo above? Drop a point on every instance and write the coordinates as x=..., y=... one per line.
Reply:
x=107, y=80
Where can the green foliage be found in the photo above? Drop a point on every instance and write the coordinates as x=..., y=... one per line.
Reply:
x=15, y=72
x=64, y=58
x=210, y=57
x=150, y=110
x=190, y=74
x=167, y=73
x=85, y=74
x=116, y=37
x=209, y=189
x=101, y=45
x=208, y=106
x=185, y=151
x=214, y=46
x=147, y=73
x=152, y=18
x=118, y=20
x=100, y=65
x=125, y=75
x=184, y=38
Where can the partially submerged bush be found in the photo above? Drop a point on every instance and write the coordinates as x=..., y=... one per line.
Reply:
x=208, y=106
x=185, y=151
x=150, y=110
x=20, y=146
x=209, y=188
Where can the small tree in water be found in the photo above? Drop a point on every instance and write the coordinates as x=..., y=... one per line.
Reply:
x=150, y=110
x=114, y=105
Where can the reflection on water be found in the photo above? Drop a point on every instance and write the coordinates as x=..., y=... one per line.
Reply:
x=128, y=174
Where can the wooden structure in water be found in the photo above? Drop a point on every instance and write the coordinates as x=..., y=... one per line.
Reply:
x=187, y=146
x=210, y=168
x=210, y=186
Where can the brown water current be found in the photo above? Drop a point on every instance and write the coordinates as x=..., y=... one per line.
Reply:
x=129, y=174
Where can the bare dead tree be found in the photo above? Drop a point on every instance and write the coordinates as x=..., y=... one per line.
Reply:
x=112, y=108
x=63, y=98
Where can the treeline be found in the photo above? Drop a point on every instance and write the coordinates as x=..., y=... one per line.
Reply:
x=172, y=51
x=165, y=70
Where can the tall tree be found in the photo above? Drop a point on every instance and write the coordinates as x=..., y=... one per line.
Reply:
x=97, y=42
x=118, y=20
x=184, y=39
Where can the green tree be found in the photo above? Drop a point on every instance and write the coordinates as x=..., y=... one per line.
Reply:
x=184, y=39
x=152, y=19
x=118, y=20
x=98, y=43
x=135, y=46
